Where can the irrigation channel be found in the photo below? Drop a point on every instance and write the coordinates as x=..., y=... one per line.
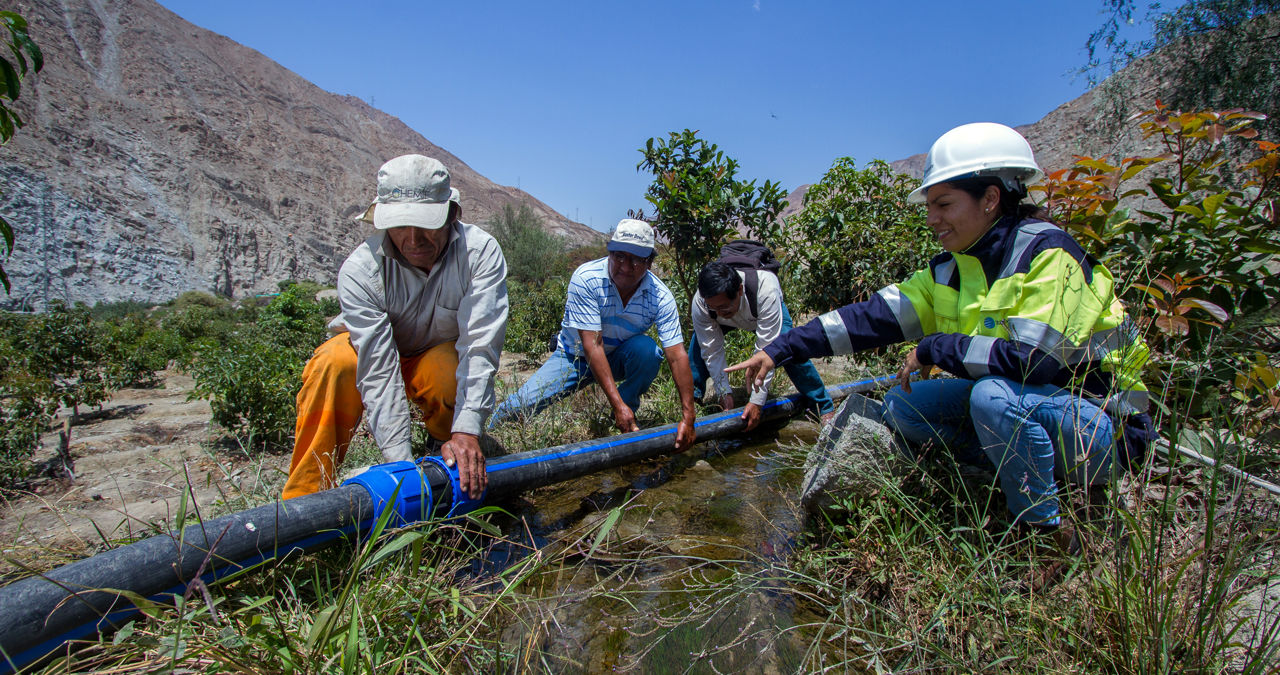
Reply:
x=724, y=508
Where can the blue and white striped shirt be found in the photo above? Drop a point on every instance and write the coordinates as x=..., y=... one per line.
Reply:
x=593, y=303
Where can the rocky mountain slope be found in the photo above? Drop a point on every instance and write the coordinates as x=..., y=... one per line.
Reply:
x=159, y=157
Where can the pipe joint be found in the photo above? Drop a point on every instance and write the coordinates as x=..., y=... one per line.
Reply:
x=401, y=481
x=460, y=503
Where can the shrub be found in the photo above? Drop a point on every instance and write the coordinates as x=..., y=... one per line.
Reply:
x=532, y=253
x=251, y=384
x=536, y=312
x=294, y=320
x=1194, y=249
x=864, y=211
x=194, y=318
x=135, y=349
x=121, y=309
x=26, y=406
x=251, y=375
x=63, y=345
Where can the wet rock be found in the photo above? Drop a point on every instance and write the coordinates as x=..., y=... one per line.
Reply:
x=703, y=465
x=853, y=457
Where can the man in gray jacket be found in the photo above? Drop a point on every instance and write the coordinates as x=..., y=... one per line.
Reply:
x=424, y=316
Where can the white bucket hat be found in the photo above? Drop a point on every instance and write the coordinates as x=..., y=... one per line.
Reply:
x=632, y=236
x=413, y=191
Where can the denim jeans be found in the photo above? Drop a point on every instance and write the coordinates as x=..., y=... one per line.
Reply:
x=634, y=364
x=1033, y=434
x=802, y=373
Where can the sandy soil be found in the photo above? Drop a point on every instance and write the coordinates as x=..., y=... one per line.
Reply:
x=133, y=461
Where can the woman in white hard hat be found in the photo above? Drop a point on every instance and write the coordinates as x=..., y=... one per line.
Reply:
x=1046, y=363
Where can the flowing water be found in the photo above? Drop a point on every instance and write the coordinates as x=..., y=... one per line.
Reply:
x=688, y=577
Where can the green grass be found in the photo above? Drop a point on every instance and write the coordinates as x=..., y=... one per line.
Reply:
x=925, y=577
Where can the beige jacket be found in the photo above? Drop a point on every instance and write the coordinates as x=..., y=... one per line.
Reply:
x=393, y=310
x=767, y=327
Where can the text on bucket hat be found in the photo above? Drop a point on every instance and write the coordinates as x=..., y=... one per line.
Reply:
x=413, y=191
x=634, y=237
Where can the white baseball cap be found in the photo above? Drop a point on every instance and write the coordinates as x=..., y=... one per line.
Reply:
x=413, y=191
x=632, y=236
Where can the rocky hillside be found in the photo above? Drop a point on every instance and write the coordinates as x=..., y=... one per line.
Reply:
x=159, y=157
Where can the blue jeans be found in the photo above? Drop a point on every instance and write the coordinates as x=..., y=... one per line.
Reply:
x=1033, y=434
x=802, y=374
x=634, y=364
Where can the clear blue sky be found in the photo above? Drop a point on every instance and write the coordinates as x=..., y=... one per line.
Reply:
x=557, y=97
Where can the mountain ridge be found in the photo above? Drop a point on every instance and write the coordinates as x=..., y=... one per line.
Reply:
x=159, y=157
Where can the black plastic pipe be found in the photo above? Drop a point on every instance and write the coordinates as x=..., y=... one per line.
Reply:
x=528, y=470
x=40, y=615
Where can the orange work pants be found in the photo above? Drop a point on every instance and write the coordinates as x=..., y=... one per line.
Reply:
x=329, y=408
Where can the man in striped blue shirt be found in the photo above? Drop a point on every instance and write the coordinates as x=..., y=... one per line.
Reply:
x=611, y=303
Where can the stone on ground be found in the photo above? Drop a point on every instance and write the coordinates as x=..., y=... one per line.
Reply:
x=854, y=457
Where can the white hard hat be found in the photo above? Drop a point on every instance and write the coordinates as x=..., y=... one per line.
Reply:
x=979, y=149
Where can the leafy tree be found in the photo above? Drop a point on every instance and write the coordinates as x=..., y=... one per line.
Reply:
x=699, y=203
x=13, y=68
x=252, y=373
x=536, y=312
x=1193, y=252
x=855, y=234
x=1215, y=54
x=532, y=253
x=295, y=320
x=135, y=350
x=26, y=403
x=63, y=345
x=251, y=383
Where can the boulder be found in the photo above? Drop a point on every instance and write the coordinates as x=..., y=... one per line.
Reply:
x=854, y=457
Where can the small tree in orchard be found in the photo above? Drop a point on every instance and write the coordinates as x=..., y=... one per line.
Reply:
x=1193, y=238
x=855, y=234
x=699, y=203
x=13, y=68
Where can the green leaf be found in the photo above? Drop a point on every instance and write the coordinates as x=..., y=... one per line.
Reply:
x=1163, y=190
x=254, y=605
x=123, y=634
x=1213, y=202
x=1150, y=290
x=395, y=545
x=1216, y=311
x=320, y=627
x=12, y=83
x=605, y=528
x=148, y=607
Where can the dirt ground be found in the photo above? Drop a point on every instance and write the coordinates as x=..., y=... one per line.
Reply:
x=133, y=461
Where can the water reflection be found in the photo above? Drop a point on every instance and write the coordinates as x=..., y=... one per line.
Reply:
x=688, y=578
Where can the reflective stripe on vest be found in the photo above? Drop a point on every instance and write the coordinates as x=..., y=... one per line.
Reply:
x=1042, y=336
x=1021, y=242
x=942, y=273
x=903, y=311
x=837, y=334
x=977, y=358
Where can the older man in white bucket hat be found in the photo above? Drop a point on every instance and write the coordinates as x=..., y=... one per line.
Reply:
x=424, y=316
x=611, y=303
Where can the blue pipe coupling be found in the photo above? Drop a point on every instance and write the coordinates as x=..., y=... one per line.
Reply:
x=461, y=503
x=404, y=488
